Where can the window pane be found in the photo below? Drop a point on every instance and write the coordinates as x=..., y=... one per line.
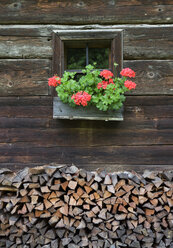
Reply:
x=76, y=58
x=100, y=56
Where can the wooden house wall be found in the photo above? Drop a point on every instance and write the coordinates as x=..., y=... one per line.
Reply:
x=28, y=134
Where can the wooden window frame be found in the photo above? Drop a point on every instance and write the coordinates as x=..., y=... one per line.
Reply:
x=61, y=36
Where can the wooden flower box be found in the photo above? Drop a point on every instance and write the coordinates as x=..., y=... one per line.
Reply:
x=64, y=111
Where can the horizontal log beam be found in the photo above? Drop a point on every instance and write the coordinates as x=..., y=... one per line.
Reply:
x=92, y=137
x=131, y=123
x=135, y=106
x=24, y=77
x=47, y=100
x=29, y=77
x=86, y=12
x=134, y=155
x=140, y=112
x=152, y=77
x=31, y=136
x=35, y=41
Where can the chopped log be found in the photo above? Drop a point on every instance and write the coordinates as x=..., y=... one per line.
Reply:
x=45, y=189
x=64, y=210
x=39, y=206
x=111, y=189
x=64, y=185
x=107, y=180
x=106, y=194
x=72, y=201
x=6, y=188
x=76, y=208
x=123, y=209
x=79, y=202
x=88, y=189
x=149, y=212
x=47, y=204
x=142, y=199
x=72, y=184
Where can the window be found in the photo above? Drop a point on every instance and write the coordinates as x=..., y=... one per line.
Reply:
x=74, y=49
x=78, y=54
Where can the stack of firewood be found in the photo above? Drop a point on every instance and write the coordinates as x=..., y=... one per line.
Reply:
x=61, y=206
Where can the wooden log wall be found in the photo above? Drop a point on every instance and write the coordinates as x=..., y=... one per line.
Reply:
x=28, y=134
x=65, y=207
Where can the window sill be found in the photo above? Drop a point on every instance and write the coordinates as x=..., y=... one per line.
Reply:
x=64, y=111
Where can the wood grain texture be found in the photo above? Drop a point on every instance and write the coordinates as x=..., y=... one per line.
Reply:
x=35, y=41
x=47, y=100
x=29, y=77
x=153, y=77
x=146, y=123
x=25, y=47
x=24, y=77
x=16, y=153
x=86, y=137
x=135, y=107
x=132, y=124
x=29, y=135
x=87, y=11
x=26, y=101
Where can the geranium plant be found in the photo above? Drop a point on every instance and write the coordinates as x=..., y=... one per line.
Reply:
x=101, y=89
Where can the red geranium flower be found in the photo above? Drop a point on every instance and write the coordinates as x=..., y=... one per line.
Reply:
x=106, y=74
x=104, y=84
x=81, y=98
x=54, y=81
x=99, y=85
x=130, y=85
x=127, y=72
x=111, y=81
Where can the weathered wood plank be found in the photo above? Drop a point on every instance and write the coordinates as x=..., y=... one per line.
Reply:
x=28, y=30
x=144, y=124
x=29, y=77
x=86, y=12
x=113, y=167
x=28, y=47
x=149, y=112
x=28, y=101
x=140, y=41
x=149, y=100
x=160, y=111
x=135, y=155
x=131, y=123
x=48, y=100
x=24, y=77
x=86, y=137
x=29, y=111
x=6, y=122
x=152, y=77
x=135, y=107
